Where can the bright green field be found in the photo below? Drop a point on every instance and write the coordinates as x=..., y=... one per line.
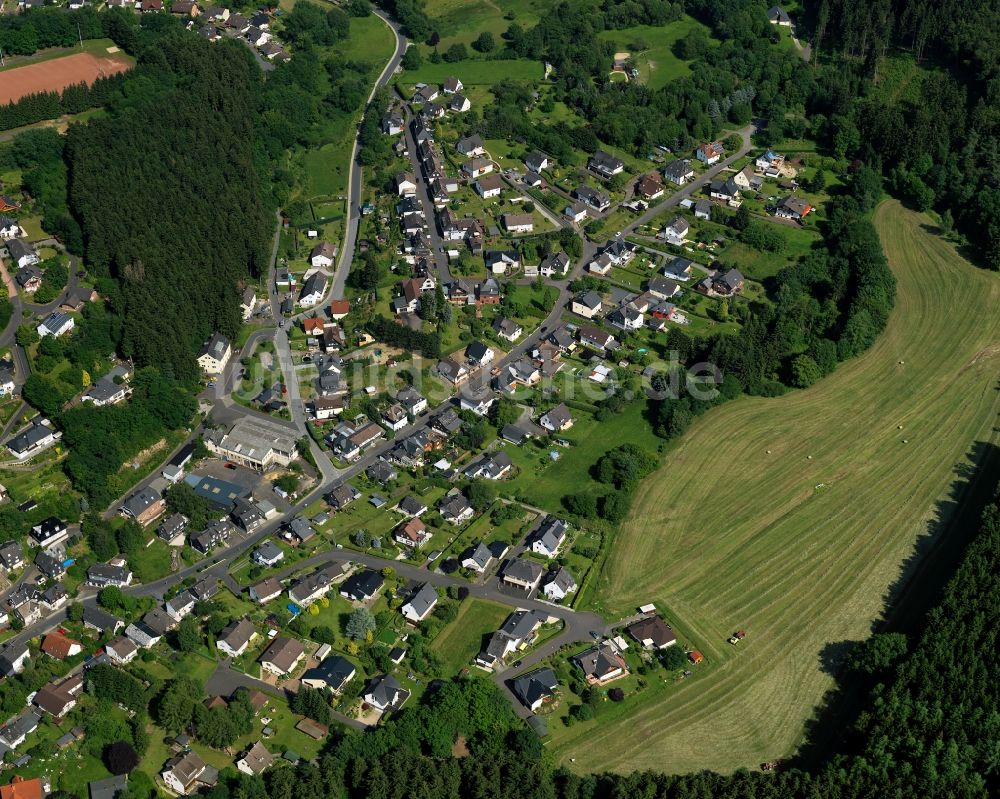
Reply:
x=793, y=517
x=370, y=41
x=472, y=72
x=459, y=642
x=652, y=49
x=463, y=20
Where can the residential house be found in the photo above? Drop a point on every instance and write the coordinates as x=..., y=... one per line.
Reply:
x=184, y=8
x=479, y=355
x=299, y=531
x=535, y=688
x=255, y=760
x=777, y=16
x=29, y=278
x=101, y=621
x=143, y=506
x=406, y=184
x=185, y=772
x=605, y=164
x=48, y=532
x=102, y=574
x=459, y=103
x=536, y=162
x=728, y=283
x=679, y=269
x=425, y=94
x=342, y=495
x=411, y=400
x=332, y=674
x=626, y=317
x=576, y=212
x=523, y=574
x=471, y=146
x=282, y=656
x=477, y=558
x=180, y=605
x=385, y=693
x=58, y=646
x=412, y=534
x=109, y=389
x=328, y=407
x=49, y=566
x=507, y=329
x=494, y=466
x=313, y=289
x=215, y=354
x=236, y=637
x=478, y=400
x=56, y=324
x=477, y=167
x=265, y=590
x=452, y=85
x=454, y=372
x=587, y=305
x=593, y=198
x=323, y=255
x=216, y=534
x=517, y=631
x=650, y=186
x=142, y=635
x=703, y=210
x=549, y=537
x=676, y=232
x=362, y=586
x=557, y=419
x=455, y=508
x=724, y=190
x=502, y=262
x=555, y=264
x=597, y=339
x=602, y=664
x=710, y=153
x=246, y=515
x=518, y=223
x=267, y=554
x=743, y=178
x=769, y=161
x=411, y=506
x=792, y=207
x=54, y=700
x=311, y=587
x=652, y=632
x=421, y=604
x=121, y=650
x=381, y=472
x=9, y=228
x=559, y=584
x=392, y=123
x=22, y=253
x=679, y=172
x=10, y=556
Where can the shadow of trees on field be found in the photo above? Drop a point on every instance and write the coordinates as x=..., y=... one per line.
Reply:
x=936, y=555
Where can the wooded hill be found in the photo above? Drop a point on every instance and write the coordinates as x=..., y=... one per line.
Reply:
x=168, y=194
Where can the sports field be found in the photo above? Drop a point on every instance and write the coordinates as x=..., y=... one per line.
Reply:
x=57, y=73
x=793, y=518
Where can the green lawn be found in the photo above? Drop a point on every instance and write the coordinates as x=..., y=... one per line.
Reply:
x=459, y=642
x=370, y=41
x=651, y=48
x=793, y=519
x=463, y=20
x=473, y=72
x=761, y=265
x=543, y=483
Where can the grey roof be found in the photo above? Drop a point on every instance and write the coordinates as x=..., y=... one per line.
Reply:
x=334, y=671
x=384, y=689
x=140, y=501
x=524, y=570
x=269, y=551
x=551, y=533
x=677, y=169
x=589, y=298
x=604, y=160
x=538, y=684
x=315, y=284
x=563, y=579
x=453, y=506
x=95, y=617
x=237, y=634
x=301, y=529
x=29, y=438
x=411, y=506
x=480, y=554
x=11, y=555
x=363, y=585
x=108, y=788
x=18, y=248
x=424, y=599
x=216, y=346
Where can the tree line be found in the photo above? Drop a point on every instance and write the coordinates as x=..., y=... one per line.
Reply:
x=73, y=99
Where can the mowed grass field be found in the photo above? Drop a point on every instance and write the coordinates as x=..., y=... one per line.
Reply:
x=459, y=642
x=651, y=48
x=802, y=551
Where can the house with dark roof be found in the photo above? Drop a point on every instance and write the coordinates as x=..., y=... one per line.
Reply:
x=549, y=536
x=559, y=584
x=362, y=586
x=420, y=604
x=144, y=505
x=236, y=637
x=678, y=171
x=332, y=674
x=385, y=694
x=282, y=656
x=602, y=664
x=652, y=632
x=605, y=164
x=523, y=574
x=535, y=688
